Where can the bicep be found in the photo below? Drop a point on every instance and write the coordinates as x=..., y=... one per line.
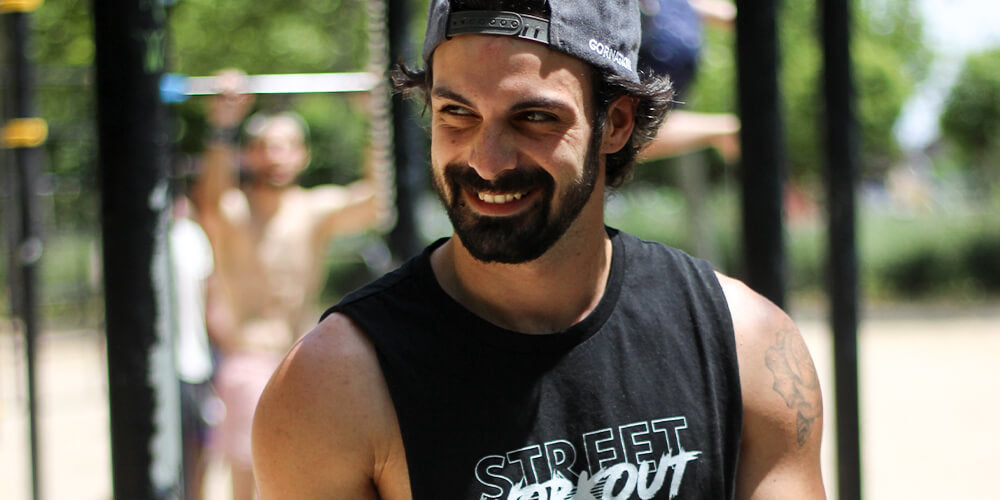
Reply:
x=782, y=402
x=313, y=428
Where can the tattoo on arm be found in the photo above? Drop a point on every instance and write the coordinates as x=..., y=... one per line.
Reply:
x=795, y=379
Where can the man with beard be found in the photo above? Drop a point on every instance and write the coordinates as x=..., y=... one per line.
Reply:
x=537, y=353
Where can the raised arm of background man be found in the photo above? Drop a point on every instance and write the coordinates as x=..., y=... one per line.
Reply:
x=219, y=174
x=220, y=161
x=336, y=209
x=361, y=205
x=720, y=13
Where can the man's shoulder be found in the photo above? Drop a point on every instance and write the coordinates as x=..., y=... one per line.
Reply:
x=782, y=399
x=755, y=318
x=331, y=368
x=326, y=408
x=377, y=288
x=661, y=259
x=333, y=353
x=414, y=275
x=233, y=205
x=642, y=247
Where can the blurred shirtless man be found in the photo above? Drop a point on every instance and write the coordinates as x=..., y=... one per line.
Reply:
x=269, y=236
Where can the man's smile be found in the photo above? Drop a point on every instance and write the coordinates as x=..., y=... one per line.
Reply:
x=499, y=197
x=493, y=203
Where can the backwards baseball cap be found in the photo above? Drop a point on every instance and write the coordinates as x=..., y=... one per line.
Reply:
x=604, y=33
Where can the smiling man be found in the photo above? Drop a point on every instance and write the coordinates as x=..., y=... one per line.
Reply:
x=537, y=353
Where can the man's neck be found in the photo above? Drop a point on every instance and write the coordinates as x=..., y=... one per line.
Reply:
x=546, y=295
x=265, y=199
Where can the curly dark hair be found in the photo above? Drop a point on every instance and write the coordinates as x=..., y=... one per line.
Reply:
x=653, y=95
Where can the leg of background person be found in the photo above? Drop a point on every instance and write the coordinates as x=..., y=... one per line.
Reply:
x=199, y=468
x=194, y=431
x=243, y=485
x=686, y=131
x=239, y=381
x=195, y=473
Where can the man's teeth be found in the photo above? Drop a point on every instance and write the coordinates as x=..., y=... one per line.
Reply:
x=500, y=198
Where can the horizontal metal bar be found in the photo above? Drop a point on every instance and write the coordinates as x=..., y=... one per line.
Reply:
x=300, y=83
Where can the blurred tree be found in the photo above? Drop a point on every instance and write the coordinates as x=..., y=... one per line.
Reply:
x=890, y=57
x=272, y=36
x=268, y=36
x=62, y=47
x=971, y=118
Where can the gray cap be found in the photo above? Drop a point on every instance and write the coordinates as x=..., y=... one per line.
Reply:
x=604, y=33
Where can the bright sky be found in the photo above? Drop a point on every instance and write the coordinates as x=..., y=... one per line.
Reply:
x=953, y=28
x=962, y=25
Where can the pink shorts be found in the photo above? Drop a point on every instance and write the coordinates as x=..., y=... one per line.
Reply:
x=240, y=380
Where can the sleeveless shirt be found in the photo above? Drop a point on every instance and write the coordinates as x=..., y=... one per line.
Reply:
x=640, y=400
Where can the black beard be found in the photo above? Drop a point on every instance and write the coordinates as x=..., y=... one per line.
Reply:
x=522, y=237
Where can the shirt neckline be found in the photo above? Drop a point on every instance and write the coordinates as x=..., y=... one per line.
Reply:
x=468, y=327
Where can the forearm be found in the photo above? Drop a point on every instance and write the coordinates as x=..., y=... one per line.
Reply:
x=218, y=173
x=377, y=189
x=719, y=13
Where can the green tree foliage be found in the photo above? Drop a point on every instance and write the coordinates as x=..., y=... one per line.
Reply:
x=61, y=46
x=270, y=37
x=971, y=118
x=889, y=57
x=300, y=36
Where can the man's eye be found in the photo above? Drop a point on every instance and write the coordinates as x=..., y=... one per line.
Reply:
x=537, y=116
x=455, y=110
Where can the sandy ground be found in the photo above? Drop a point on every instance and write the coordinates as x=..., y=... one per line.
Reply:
x=930, y=397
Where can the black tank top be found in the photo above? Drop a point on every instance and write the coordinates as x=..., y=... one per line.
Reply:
x=640, y=400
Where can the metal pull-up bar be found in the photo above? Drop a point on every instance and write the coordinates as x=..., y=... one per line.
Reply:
x=177, y=88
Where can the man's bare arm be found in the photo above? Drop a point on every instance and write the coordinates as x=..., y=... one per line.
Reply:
x=325, y=426
x=219, y=164
x=782, y=402
x=720, y=13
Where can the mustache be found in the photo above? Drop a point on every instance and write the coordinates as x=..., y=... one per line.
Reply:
x=520, y=178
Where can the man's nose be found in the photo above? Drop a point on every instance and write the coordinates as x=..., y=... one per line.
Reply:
x=493, y=151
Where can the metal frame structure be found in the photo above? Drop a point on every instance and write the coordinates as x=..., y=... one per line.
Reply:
x=22, y=134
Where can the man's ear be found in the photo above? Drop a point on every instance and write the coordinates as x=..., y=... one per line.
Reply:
x=619, y=124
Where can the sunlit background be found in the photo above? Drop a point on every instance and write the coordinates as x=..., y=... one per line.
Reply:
x=927, y=76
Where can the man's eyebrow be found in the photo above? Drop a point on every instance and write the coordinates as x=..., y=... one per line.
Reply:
x=530, y=103
x=446, y=93
x=541, y=103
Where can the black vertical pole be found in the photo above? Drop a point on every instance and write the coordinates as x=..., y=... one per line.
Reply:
x=408, y=137
x=762, y=144
x=28, y=250
x=143, y=390
x=841, y=167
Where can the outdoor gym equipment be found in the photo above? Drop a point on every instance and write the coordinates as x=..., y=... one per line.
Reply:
x=178, y=88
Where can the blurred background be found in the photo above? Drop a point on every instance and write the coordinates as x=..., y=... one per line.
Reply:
x=927, y=76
